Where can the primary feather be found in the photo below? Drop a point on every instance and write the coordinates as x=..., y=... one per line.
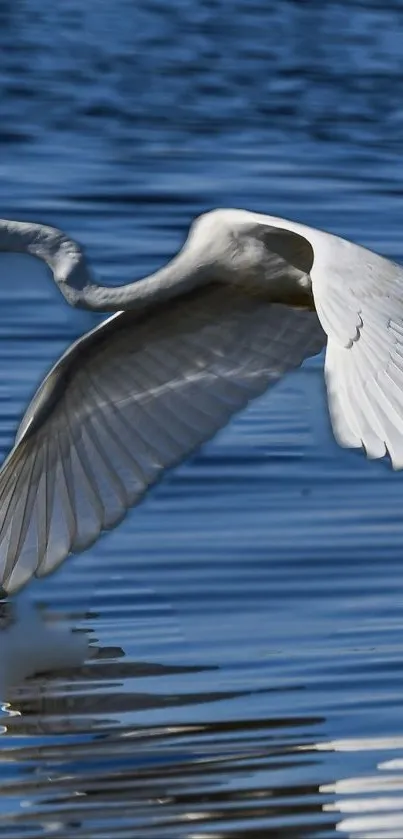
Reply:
x=147, y=391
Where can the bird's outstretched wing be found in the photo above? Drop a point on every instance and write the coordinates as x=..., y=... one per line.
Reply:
x=359, y=300
x=130, y=399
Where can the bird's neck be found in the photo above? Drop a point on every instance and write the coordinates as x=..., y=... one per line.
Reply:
x=62, y=255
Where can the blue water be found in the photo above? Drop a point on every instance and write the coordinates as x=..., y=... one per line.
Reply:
x=245, y=623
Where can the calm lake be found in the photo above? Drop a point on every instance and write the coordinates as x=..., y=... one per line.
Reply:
x=244, y=677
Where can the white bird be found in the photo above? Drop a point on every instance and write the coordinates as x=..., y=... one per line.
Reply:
x=190, y=346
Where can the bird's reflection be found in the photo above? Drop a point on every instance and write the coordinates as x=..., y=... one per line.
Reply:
x=93, y=754
x=32, y=643
x=55, y=677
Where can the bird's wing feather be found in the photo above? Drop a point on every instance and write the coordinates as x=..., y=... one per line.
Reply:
x=359, y=301
x=132, y=398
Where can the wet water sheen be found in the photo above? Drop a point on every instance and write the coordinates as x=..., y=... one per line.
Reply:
x=244, y=676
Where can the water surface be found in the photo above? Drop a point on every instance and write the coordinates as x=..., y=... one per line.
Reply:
x=246, y=622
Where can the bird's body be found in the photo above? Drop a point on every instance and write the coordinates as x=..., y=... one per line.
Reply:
x=246, y=299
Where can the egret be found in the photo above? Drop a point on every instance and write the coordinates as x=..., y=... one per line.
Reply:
x=246, y=299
